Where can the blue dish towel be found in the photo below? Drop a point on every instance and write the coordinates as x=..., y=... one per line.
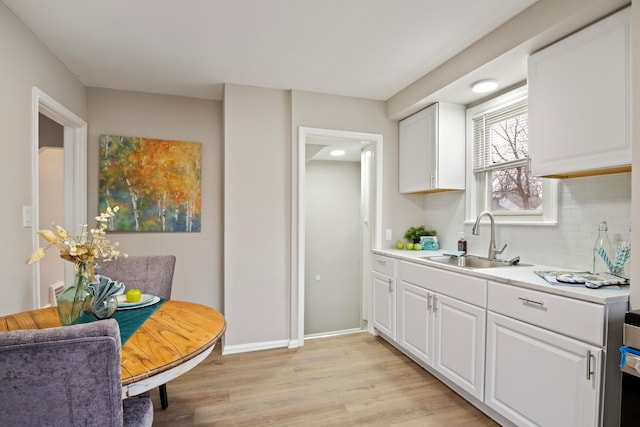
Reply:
x=624, y=350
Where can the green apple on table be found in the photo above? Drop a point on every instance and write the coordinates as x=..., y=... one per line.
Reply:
x=133, y=295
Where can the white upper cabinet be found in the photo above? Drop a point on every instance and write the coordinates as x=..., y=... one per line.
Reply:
x=579, y=102
x=431, y=149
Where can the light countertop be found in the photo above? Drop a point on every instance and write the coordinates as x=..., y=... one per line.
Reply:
x=522, y=276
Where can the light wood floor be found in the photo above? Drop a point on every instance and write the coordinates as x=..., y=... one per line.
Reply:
x=348, y=380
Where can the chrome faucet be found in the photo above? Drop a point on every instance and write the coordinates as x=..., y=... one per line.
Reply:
x=493, y=251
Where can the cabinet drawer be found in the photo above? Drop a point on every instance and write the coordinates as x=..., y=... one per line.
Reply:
x=578, y=319
x=459, y=286
x=384, y=265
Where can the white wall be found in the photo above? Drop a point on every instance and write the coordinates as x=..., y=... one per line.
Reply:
x=582, y=204
x=198, y=273
x=332, y=247
x=25, y=63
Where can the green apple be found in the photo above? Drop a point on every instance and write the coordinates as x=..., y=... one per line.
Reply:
x=417, y=247
x=399, y=244
x=409, y=246
x=133, y=295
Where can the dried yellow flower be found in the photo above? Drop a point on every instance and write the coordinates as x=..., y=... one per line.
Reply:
x=83, y=247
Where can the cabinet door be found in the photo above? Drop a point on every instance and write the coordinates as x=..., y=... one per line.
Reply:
x=415, y=324
x=417, y=151
x=579, y=100
x=384, y=305
x=535, y=377
x=459, y=343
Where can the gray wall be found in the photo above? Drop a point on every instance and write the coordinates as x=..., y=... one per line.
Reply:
x=362, y=115
x=50, y=133
x=25, y=63
x=257, y=159
x=198, y=273
x=332, y=247
x=51, y=195
x=261, y=151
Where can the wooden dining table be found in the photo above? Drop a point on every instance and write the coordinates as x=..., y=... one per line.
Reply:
x=175, y=339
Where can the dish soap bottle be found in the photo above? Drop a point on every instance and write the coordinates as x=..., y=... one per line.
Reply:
x=602, y=251
x=462, y=244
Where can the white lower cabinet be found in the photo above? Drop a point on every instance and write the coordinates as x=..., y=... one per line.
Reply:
x=459, y=343
x=526, y=357
x=443, y=332
x=415, y=321
x=535, y=377
x=384, y=295
x=384, y=304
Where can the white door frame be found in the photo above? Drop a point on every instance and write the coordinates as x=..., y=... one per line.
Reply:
x=298, y=220
x=75, y=173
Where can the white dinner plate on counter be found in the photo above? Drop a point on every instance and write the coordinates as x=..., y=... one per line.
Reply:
x=145, y=300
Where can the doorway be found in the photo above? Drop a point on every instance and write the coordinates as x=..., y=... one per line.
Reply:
x=315, y=144
x=51, y=199
x=74, y=135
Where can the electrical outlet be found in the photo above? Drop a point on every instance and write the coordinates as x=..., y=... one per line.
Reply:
x=388, y=234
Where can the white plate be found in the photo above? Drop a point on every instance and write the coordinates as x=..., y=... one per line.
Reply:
x=145, y=300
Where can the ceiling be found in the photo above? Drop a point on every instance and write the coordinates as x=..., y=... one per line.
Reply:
x=318, y=148
x=361, y=48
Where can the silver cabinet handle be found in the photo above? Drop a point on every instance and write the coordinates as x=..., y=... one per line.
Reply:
x=390, y=285
x=381, y=261
x=530, y=301
x=429, y=296
x=435, y=303
x=590, y=371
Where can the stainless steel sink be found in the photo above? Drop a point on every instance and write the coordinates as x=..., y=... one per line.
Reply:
x=473, y=261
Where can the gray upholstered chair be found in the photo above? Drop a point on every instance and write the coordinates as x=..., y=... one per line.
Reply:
x=152, y=274
x=66, y=376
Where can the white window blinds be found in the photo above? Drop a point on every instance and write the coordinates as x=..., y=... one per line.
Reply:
x=500, y=137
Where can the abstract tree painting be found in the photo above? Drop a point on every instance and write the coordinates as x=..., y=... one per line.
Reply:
x=155, y=182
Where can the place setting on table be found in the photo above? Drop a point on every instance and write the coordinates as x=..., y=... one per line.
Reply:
x=107, y=298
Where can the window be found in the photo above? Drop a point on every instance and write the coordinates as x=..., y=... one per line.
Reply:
x=498, y=178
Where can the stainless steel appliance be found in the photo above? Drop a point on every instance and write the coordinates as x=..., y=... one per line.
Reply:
x=630, y=366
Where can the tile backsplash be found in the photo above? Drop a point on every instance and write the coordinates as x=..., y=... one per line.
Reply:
x=582, y=204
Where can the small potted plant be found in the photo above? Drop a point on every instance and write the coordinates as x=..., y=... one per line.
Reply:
x=422, y=238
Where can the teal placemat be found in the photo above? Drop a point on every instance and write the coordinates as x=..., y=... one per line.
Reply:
x=128, y=320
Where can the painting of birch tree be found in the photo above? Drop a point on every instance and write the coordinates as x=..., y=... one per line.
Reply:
x=155, y=182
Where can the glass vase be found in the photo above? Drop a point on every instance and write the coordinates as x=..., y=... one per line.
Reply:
x=103, y=308
x=72, y=301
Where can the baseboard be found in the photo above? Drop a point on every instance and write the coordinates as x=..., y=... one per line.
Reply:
x=245, y=348
x=333, y=333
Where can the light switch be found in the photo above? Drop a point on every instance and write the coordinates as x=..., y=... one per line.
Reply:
x=388, y=234
x=26, y=216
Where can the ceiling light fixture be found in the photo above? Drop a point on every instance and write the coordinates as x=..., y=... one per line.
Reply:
x=337, y=153
x=484, y=86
